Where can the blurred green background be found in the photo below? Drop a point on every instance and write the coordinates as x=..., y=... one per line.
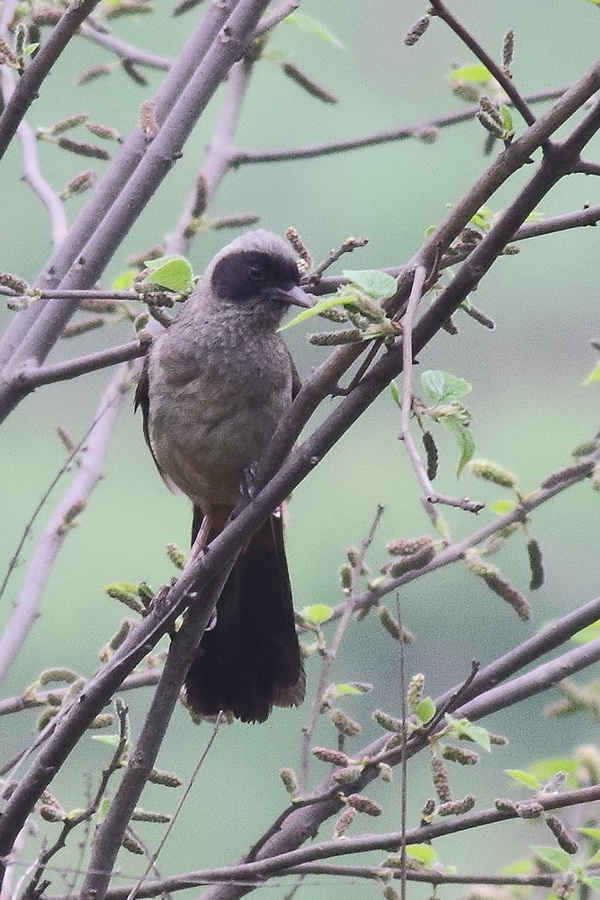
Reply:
x=529, y=408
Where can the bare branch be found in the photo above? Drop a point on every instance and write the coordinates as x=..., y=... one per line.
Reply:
x=26, y=609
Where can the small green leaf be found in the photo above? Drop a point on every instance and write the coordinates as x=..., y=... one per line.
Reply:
x=502, y=507
x=592, y=881
x=587, y=634
x=441, y=387
x=103, y=810
x=171, y=272
x=590, y=832
x=525, y=778
x=124, y=281
x=554, y=857
x=318, y=308
x=545, y=769
x=594, y=860
x=423, y=853
x=111, y=739
x=425, y=710
x=506, y=116
x=464, y=439
x=374, y=283
x=593, y=376
x=476, y=73
x=313, y=27
x=347, y=689
x=475, y=733
x=317, y=614
x=395, y=392
x=122, y=587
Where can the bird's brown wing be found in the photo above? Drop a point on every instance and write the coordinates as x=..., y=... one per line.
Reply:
x=141, y=401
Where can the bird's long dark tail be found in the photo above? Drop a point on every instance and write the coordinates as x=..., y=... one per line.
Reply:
x=250, y=660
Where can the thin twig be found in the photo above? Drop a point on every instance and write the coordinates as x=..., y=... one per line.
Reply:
x=507, y=85
x=26, y=608
x=331, y=652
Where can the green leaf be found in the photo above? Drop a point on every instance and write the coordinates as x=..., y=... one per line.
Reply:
x=475, y=733
x=314, y=27
x=545, y=769
x=171, y=272
x=525, y=778
x=441, y=387
x=592, y=881
x=501, y=507
x=464, y=439
x=103, y=809
x=122, y=587
x=317, y=614
x=374, y=283
x=423, y=853
x=124, y=281
x=111, y=739
x=348, y=690
x=590, y=832
x=594, y=860
x=319, y=307
x=506, y=116
x=425, y=710
x=587, y=634
x=395, y=392
x=593, y=376
x=554, y=857
x=476, y=73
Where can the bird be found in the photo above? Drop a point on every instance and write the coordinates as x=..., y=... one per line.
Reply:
x=214, y=387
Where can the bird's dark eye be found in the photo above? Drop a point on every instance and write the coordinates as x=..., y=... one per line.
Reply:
x=256, y=273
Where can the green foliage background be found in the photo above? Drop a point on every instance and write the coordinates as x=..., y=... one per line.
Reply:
x=528, y=406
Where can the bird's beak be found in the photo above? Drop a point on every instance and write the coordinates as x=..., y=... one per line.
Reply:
x=295, y=296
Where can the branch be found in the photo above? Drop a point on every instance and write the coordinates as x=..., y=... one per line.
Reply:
x=28, y=86
x=311, y=151
x=260, y=870
x=89, y=471
x=157, y=161
x=122, y=50
x=507, y=85
x=118, y=175
x=228, y=543
x=38, y=375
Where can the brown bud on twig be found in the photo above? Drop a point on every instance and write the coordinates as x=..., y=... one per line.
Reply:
x=529, y=809
x=440, y=780
x=177, y=556
x=364, y=805
x=415, y=692
x=408, y=546
x=479, y=316
x=310, y=86
x=104, y=131
x=144, y=815
x=330, y=756
x=505, y=590
x=416, y=31
x=166, y=779
x=343, y=823
x=415, y=561
x=46, y=15
x=536, y=564
x=147, y=119
x=104, y=720
x=127, y=8
x=185, y=5
x=504, y=805
x=431, y=454
x=457, y=807
x=565, y=841
x=132, y=844
x=335, y=338
x=68, y=123
x=79, y=184
x=8, y=56
x=344, y=723
x=133, y=72
x=82, y=148
x=93, y=73
x=16, y=284
x=290, y=782
x=428, y=811
x=460, y=755
x=508, y=49
x=241, y=220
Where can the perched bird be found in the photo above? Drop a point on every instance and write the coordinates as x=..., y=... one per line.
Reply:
x=214, y=387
